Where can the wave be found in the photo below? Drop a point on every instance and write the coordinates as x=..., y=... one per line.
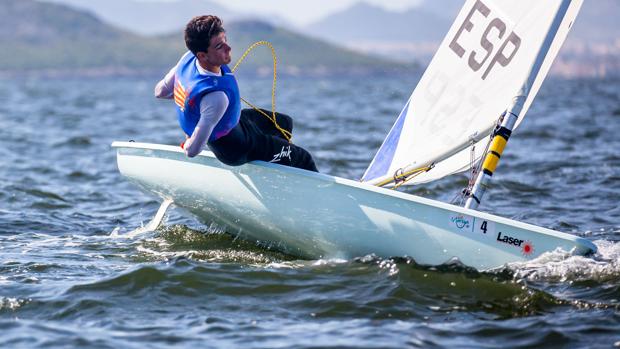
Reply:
x=560, y=266
x=12, y=304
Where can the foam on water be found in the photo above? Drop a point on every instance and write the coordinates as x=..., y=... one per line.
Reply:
x=150, y=227
x=12, y=303
x=561, y=266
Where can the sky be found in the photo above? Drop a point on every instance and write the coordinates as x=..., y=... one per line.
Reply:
x=302, y=12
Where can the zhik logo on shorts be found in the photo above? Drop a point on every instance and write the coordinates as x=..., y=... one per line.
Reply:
x=284, y=153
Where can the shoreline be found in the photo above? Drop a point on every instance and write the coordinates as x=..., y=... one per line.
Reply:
x=266, y=72
x=258, y=72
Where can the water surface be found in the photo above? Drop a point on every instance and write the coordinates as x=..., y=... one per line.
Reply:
x=70, y=276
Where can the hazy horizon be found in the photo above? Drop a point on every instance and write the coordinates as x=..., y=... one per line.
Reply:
x=302, y=13
x=298, y=13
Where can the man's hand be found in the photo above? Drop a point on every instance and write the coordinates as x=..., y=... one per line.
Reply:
x=186, y=145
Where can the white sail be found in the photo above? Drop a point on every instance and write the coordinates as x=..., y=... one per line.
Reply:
x=495, y=56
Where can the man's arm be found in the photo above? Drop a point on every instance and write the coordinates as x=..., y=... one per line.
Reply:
x=212, y=108
x=165, y=88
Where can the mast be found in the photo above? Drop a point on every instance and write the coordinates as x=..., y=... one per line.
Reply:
x=502, y=134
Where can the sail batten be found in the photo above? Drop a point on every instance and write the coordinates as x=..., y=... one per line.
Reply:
x=489, y=60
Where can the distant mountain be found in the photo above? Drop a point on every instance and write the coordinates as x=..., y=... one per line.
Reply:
x=32, y=23
x=443, y=8
x=412, y=35
x=39, y=36
x=35, y=35
x=48, y=35
x=298, y=54
x=159, y=17
x=591, y=49
x=365, y=22
x=430, y=21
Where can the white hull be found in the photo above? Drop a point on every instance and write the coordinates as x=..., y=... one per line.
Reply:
x=319, y=216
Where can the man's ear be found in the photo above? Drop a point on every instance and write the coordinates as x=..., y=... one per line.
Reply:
x=201, y=55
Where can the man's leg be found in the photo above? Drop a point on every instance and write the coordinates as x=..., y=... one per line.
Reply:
x=278, y=150
x=265, y=125
x=288, y=154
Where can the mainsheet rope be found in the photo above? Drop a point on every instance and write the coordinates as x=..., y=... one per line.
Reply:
x=287, y=134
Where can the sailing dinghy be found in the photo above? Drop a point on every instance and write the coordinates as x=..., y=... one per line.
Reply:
x=474, y=93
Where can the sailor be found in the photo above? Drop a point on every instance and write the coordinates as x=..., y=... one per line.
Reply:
x=208, y=107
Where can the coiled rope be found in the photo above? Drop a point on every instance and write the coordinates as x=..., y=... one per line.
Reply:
x=287, y=135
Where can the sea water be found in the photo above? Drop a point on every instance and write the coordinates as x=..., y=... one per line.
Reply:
x=72, y=274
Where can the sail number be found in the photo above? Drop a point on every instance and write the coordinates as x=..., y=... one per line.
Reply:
x=496, y=31
x=484, y=226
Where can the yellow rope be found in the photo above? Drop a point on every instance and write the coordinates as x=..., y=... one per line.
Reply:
x=284, y=132
x=404, y=177
x=411, y=175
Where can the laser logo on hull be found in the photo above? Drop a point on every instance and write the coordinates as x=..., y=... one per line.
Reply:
x=528, y=248
x=509, y=239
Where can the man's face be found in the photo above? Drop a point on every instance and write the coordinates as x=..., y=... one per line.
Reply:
x=219, y=51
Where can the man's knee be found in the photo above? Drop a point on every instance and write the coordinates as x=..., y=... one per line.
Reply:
x=304, y=160
x=285, y=122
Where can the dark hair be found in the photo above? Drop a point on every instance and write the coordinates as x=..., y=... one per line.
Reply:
x=200, y=30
